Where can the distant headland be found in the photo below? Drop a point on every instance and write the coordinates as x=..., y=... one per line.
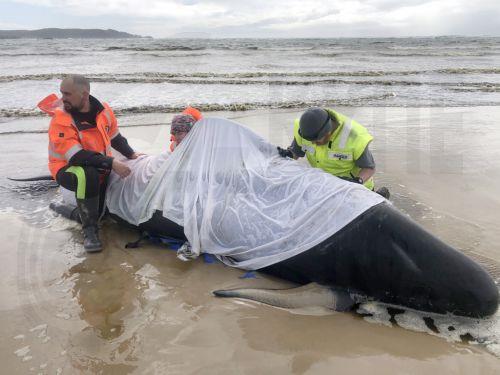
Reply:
x=54, y=33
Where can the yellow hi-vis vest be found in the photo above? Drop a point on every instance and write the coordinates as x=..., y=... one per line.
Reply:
x=347, y=144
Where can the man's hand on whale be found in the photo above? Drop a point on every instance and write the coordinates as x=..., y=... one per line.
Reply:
x=135, y=155
x=120, y=168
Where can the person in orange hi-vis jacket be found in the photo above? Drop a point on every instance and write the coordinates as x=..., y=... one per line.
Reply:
x=182, y=124
x=82, y=132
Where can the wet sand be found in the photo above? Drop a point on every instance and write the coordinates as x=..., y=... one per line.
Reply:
x=143, y=311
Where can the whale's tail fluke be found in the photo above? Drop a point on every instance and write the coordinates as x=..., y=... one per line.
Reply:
x=304, y=296
x=37, y=178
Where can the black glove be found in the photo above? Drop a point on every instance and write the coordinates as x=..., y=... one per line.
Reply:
x=285, y=152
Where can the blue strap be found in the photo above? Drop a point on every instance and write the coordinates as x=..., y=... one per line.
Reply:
x=209, y=258
x=170, y=242
x=249, y=275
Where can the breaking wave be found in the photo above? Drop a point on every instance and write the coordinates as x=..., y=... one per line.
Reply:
x=455, y=53
x=155, y=49
x=382, y=100
x=163, y=77
x=211, y=107
x=170, y=56
x=469, y=71
x=477, y=88
x=3, y=54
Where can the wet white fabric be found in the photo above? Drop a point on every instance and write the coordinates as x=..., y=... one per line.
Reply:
x=122, y=194
x=237, y=198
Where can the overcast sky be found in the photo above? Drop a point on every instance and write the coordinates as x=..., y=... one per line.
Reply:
x=260, y=18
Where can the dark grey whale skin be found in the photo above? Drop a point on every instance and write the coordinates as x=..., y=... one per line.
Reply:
x=387, y=257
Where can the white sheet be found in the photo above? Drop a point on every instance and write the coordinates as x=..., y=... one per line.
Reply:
x=237, y=198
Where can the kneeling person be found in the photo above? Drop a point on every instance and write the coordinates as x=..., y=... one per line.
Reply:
x=81, y=134
x=335, y=143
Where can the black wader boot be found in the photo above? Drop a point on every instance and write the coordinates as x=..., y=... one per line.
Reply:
x=383, y=191
x=89, y=214
x=66, y=210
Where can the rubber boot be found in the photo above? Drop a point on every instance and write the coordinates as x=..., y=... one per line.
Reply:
x=89, y=214
x=383, y=191
x=66, y=210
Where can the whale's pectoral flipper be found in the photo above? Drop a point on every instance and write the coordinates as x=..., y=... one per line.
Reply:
x=304, y=296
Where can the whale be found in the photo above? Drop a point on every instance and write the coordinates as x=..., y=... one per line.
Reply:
x=382, y=255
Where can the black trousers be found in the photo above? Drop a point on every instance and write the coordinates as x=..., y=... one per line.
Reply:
x=86, y=182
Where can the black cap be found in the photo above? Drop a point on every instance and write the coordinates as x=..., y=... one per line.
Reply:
x=314, y=124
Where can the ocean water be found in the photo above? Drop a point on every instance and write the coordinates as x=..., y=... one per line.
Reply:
x=156, y=75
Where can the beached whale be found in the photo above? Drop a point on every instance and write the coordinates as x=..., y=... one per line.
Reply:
x=381, y=255
x=227, y=192
x=387, y=257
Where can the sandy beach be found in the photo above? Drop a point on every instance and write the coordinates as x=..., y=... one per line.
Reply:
x=143, y=311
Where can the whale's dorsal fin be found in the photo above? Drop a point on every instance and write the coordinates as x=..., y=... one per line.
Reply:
x=304, y=296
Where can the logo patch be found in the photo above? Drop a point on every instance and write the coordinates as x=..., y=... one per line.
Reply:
x=339, y=156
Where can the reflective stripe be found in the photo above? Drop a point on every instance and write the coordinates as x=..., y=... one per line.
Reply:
x=108, y=150
x=82, y=181
x=114, y=134
x=308, y=148
x=108, y=116
x=55, y=154
x=72, y=151
x=346, y=130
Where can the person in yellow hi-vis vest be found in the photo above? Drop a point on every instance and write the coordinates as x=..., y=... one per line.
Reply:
x=335, y=143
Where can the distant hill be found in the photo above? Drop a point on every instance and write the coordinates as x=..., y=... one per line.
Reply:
x=65, y=34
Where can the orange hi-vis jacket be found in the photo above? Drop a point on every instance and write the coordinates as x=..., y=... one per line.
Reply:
x=188, y=111
x=65, y=140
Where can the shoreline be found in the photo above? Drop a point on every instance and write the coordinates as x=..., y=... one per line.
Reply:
x=20, y=115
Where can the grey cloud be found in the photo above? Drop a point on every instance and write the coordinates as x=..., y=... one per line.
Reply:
x=189, y=2
x=314, y=16
x=390, y=5
x=262, y=18
x=476, y=22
